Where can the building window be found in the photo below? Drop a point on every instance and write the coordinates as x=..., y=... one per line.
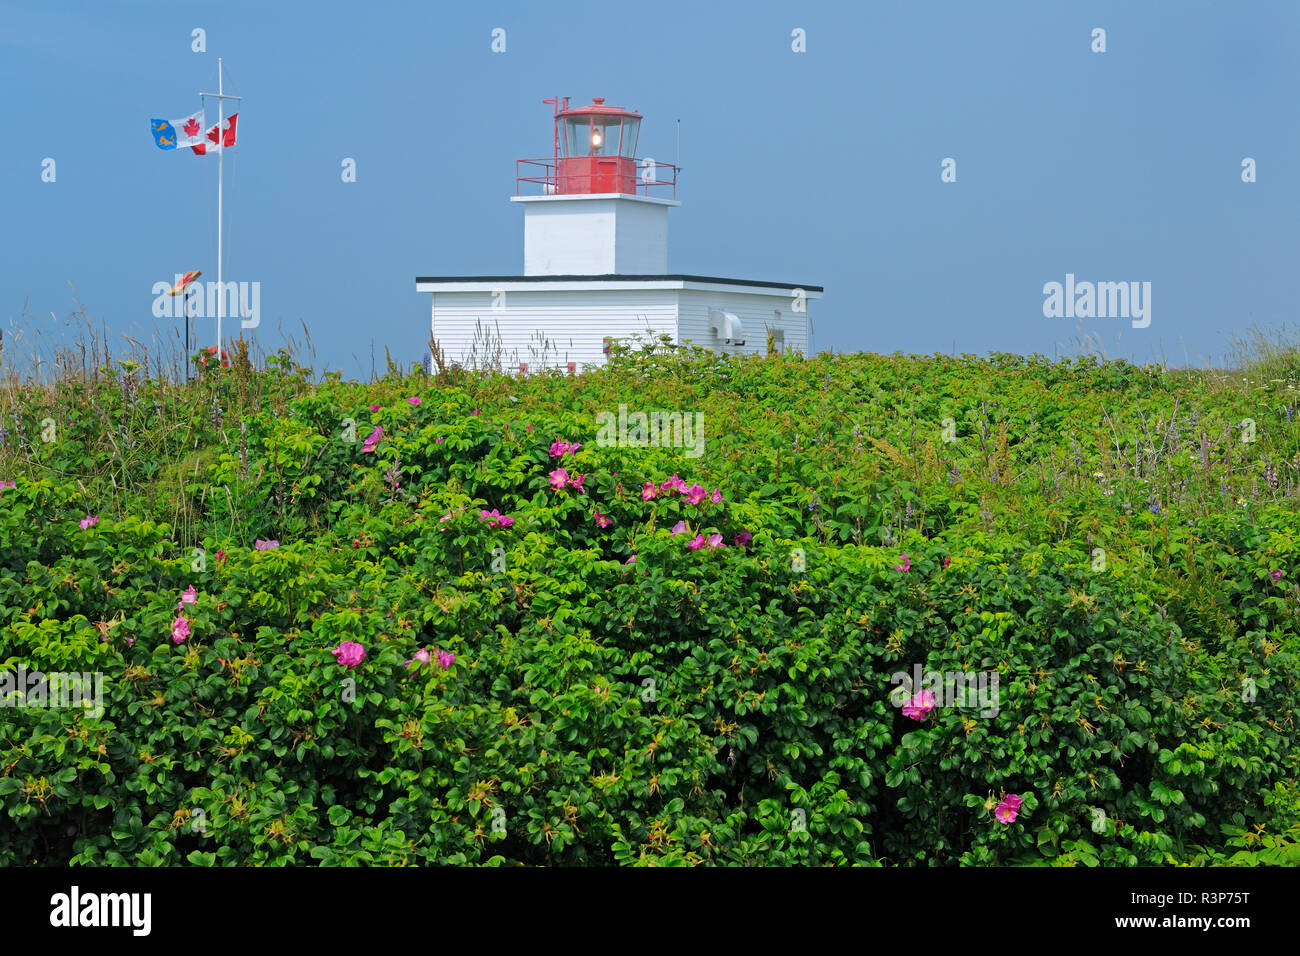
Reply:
x=778, y=333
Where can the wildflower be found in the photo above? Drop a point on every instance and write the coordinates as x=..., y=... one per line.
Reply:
x=1100, y=476
x=905, y=566
x=631, y=560
x=439, y=439
x=673, y=484
x=446, y=517
x=8, y=484
x=694, y=494
x=679, y=527
x=88, y=521
x=373, y=440
x=446, y=659
x=919, y=707
x=742, y=539
x=649, y=492
x=559, y=477
x=576, y=482
x=130, y=641
x=261, y=545
x=1008, y=809
x=413, y=400
x=349, y=653
x=421, y=656
x=1242, y=502
x=1276, y=575
x=374, y=408
x=696, y=543
x=946, y=561
x=221, y=555
x=716, y=496
x=715, y=541
x=187, y=597
x=602, y=520
x=180, y=630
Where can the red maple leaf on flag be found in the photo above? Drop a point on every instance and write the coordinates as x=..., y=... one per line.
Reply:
x=212, y=134
x=192, y=128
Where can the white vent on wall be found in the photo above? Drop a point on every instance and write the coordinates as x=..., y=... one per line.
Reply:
x=727, y=326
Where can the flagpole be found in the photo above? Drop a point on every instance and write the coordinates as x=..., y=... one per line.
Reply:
x=221, y=156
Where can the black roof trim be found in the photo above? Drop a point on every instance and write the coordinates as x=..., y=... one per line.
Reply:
x=621, y=278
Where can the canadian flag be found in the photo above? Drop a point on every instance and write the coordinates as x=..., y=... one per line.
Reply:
x=227, y=137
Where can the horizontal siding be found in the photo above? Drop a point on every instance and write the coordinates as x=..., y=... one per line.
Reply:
x=543, y=328
x=756, y=312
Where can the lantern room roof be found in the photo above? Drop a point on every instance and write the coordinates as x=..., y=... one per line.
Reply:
x=598, y=108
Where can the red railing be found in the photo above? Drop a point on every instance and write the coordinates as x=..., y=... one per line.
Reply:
x=544, y=173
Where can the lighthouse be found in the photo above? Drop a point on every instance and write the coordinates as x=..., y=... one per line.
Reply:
x=596, y=265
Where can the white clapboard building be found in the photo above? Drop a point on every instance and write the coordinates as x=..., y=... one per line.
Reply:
x=596, y=266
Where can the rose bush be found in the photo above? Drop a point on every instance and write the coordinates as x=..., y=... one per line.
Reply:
x=477, y=636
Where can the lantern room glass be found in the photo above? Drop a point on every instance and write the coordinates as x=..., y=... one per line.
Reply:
x=631, y=128
x=596, y=135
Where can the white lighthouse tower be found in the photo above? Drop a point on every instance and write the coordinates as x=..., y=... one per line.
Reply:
x=596, y=265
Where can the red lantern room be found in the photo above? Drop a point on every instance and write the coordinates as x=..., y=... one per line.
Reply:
x=595, y=154
x=597, y=149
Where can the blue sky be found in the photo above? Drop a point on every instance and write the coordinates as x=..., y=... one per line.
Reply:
x=820, y=167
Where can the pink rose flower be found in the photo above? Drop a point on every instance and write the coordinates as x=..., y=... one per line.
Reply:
x=694, y=494
x=421, y=657
x=1276, y=575
x=261, y=545
x=602, y=520
x=180, y=630
x=559, y=477
x=349, y=653
x=715, y=541
x=905, y=566
x=919, y=707
x=716, y=497
x=446, y=659
x=375, y=437
x=8, y=484
x=88, y=521
x=561, y=448
x=679, y=527
x=374, y=408
x=673, y=484
x=649, y=492
x=413, y=400
x=495, y=519
x=1007, y=811
x=742, y=539
x=696, y=543
x=188, y=596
